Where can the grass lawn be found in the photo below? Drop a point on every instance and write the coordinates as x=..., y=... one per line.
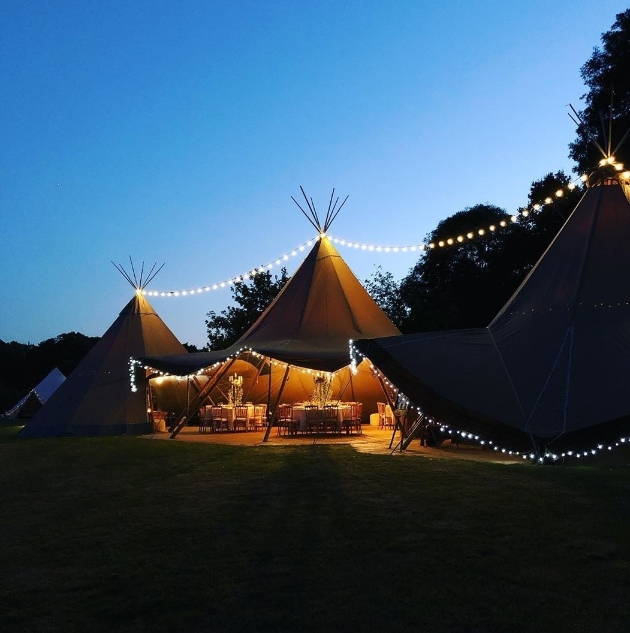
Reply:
x=125, y=534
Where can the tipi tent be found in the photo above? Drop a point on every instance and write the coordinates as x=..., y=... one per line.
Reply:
x=307, y=328
x=36, y=397
x=551, y=372
x=96, y=398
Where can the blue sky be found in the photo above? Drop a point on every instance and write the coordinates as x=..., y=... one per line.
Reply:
x=177, y=133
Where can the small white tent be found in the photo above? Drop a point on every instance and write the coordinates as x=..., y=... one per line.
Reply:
x=36, y=397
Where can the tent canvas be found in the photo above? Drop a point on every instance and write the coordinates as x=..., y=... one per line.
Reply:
x=37, y=396
x=96, y=398
x=308, y=326
x=552, y=368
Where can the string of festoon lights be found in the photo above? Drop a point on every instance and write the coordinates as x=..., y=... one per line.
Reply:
x=135, y=365
x=454, y=240
x=547, y=457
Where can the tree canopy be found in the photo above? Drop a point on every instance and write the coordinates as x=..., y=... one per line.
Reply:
x=465, y=284
x=251, y=299
x=607, y=77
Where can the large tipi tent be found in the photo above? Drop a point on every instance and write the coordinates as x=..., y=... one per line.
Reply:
x=36, y=397
x=306, y=328
x=551, y=372
x=96, y=398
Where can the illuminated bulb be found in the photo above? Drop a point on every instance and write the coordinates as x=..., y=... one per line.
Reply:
x=514, y=218
x=441, y=243
x=626, y=175
x=449, y=240
x=481, y=232
x=470, y=235
x=610, y=160
x=571, y=186
x=525, y=213
x=460, y=238
x=431, y=245
x=503, y=223
x=548, y=200
x=492, y=227
x=559, y=193
x=619, y=166
x=583, y=177
x=602, y=162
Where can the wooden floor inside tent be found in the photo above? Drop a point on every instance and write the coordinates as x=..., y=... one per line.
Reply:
x=372, y=440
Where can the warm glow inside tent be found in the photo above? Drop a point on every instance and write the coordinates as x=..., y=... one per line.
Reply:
x=304, y=331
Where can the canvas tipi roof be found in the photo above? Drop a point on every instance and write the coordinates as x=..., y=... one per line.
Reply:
x=552, y=368
x=96, y=398
x=37, y=396
x=308, y=324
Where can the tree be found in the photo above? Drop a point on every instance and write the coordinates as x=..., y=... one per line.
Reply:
x=607, y=76
x=24, y=365
x=252, y=299
x=465, y=284
x=383, y=288
x=454, y=286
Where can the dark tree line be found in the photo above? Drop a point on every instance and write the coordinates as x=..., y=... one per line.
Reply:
x=465, y=284
x=23, y=366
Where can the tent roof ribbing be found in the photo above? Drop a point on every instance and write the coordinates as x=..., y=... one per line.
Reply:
x=308, y=324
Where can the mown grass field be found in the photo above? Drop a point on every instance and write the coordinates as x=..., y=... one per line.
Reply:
x=127, y=534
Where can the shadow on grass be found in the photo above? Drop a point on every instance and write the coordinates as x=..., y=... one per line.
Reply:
x=129, y=535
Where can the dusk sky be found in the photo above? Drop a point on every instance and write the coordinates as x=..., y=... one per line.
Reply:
x=177, y=133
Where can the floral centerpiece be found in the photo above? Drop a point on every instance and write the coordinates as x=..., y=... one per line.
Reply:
x=235, y=394
x=321, y=390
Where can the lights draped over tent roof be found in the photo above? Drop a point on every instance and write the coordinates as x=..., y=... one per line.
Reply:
x=311, y=320
x=552, y=368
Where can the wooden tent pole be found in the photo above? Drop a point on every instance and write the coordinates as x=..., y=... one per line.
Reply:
x=271, y=418
x=209, y=386
x=397, y=424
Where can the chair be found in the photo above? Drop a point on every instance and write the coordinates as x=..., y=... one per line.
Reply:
x=286, y=423
x=219, y=419
x=205, y=419
x=314, y=418
x=346, y=417
x=331, y=418
x=357, y=415
x=241, y=417
x=354, y=417
x=259, y=419
x=159, y=421
x=385, y=420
